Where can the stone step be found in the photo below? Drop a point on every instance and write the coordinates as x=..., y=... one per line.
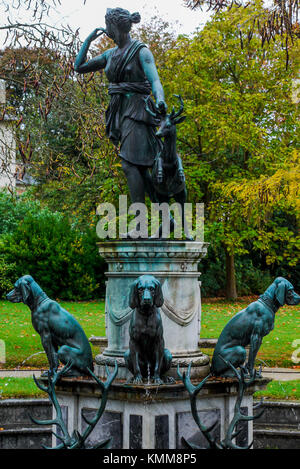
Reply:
x=17, y=431
x=16, y=411
x=276, y=437
x=25, y=437
x=278, y=427
x=280, y=413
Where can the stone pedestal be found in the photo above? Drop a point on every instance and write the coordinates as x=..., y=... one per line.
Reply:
x=175, y=265
x=155, y=417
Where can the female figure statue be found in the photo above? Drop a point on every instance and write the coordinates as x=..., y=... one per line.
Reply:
x=131, y=71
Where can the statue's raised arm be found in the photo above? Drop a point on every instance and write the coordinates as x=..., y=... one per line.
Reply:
x=97, y=63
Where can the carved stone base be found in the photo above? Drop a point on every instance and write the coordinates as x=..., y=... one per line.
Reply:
x=200, y=366
x=155, y=417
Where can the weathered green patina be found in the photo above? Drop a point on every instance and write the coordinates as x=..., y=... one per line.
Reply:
x=147, y=358
x=62, y=337
x=232, y=431
x=131, y=71
x=248, y=327
x=75, y=440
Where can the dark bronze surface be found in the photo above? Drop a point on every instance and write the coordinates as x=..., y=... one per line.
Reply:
x=248, y=327
x=147, y=358
x=62, y=337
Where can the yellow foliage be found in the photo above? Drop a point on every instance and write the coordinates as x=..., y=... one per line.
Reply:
x=282, y=186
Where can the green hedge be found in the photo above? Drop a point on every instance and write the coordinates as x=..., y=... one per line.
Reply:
x=61, y=258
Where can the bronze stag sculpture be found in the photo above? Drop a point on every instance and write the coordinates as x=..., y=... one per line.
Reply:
x=167, y=175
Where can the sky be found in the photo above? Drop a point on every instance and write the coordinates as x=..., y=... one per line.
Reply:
x=91, y=14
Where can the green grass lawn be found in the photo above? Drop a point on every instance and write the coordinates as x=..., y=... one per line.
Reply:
x=13, y=388
x=280, y=390
x=22, y=341
x=25, y=388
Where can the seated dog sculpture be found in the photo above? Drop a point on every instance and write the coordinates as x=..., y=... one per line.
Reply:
x=147, y=357
x=62, y=336
x=249, y=326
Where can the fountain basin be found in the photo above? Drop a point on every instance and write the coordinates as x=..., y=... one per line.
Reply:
x=155, y=417
x=151, y=416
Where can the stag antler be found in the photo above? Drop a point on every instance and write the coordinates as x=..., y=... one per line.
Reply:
x=227, y=442
x=162, y=114
x=104, y=395
x=53, y=377
x=77, y=440
x=193, y=392
x=174, y=114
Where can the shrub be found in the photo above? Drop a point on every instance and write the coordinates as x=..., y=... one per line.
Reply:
x=7, y=276
x=13, y=210
x=212, y=270
x=63, y=260
x=250, y=279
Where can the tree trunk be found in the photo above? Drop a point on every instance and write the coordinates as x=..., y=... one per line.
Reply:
x=231, y=293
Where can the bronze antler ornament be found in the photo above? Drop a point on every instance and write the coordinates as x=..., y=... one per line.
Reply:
x=231, y=433
x=76, y=440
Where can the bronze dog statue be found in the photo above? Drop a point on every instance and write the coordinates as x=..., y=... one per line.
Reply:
x=62, y=336
x=147, y=357
x=249, y=326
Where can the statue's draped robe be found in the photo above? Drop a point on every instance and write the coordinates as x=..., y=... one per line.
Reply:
x=127, y=121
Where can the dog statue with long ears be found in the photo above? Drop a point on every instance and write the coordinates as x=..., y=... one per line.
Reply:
x=147, y=357
x=248, y=327
x=62, y=337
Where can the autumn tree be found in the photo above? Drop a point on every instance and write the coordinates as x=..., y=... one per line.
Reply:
x=279, y=19
x=240, y=136
x=61, y=122
x=238, y=143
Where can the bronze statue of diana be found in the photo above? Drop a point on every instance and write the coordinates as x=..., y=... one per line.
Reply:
x=132, y=75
